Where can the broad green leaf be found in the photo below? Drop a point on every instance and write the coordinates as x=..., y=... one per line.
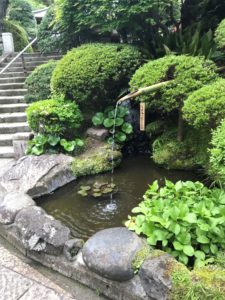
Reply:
x=53, y=140
x=98, y=119
x=108, y=123
x=203, y=239
x=177, y=245
x=127, y=128
x=121, y=137
x=190, y=218
x=200, y=255
x=152, y=240
x=188, y=250
x=119, y=121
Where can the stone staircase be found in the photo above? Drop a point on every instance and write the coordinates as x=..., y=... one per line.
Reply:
x=12, y=104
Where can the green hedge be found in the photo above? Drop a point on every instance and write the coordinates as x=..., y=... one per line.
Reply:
x=54, y=116
x=38, y=82
x=206, y=106
x=95, y=74
x=186, y=73
x=220, y=35
x=19, y=35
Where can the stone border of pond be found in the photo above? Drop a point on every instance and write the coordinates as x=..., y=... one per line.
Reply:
x=115, y=262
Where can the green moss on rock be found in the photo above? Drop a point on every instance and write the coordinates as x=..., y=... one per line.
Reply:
x=187, y=155
x=96, y=160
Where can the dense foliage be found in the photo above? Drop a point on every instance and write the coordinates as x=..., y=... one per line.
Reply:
x=54, y=116
x=220, y=35
x=95, y=74
x=217, y=155
x=186, y=73
x=52, y=144
x=20, y=11
x=38, y=82
x=19, y=35
x=110, y=118
x=206, y=106
x=189, y=154
x=185, y=219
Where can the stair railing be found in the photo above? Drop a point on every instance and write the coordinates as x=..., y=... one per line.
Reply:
x=18, y=56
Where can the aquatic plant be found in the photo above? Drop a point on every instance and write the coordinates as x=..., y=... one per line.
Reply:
x=97, y=189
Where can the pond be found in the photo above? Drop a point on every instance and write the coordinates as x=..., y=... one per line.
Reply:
x=87, y=215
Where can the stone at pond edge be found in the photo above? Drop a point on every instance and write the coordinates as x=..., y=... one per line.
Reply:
x=38, y=175
x=40, y=232
x=155, y=277
x=110, y=252
x=97, y=133
x=71, y=248
x=11, y=204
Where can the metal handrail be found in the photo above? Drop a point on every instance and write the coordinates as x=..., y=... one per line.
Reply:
x=17, y=56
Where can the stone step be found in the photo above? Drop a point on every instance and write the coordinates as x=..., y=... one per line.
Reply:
x=10, y=108
x=13, y=117
x=27, y=63
x=39, y=58
x=6, y=152
x=14, y=74
x=14, y=127
x=12, y=80
x=11, y=99
x=7, y=86
x=7, y=139
x=19, y=69
x=13, y=92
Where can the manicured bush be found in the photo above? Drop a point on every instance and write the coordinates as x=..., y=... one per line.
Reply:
x=19, y=35
x=189, y=154
x=206, y=106
x=54, y=116
x=20, y=11
x=220, y=35
x=217, y=155
x=38, y=82
x=95, y=74
x=185, y=219
x=186, y=73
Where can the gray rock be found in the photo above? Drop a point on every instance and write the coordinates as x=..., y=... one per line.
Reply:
x=3, y=192
x=97, y=133
x=110, y=252
x=38, y=175
x=11, y=204
x=71, y=248
x=41, y=232
x=155, y=278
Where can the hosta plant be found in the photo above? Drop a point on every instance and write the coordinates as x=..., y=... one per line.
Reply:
x=185, y=219
x=41, y=144
x=108, y=119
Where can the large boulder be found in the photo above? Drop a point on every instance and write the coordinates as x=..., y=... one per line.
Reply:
x=110, y=253
x=40, y=232
x=11, y=204
x=38, y=175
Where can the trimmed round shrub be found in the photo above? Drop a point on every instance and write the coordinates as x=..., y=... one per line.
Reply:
x=217, y=155
x=206, y=106
x=20, y=11
x=186, y=73
x=54, y=116
x=19, y=35
x=95, y=74
x=220, y=35
x=38, y=82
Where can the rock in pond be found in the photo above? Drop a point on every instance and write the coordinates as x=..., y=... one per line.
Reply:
x=155, y=277
x=40, y=232
x=11, y=204
x=97, y=133
x=110, y=253
x=38, y=175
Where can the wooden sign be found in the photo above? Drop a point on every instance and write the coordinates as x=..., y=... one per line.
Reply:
x=142, y=116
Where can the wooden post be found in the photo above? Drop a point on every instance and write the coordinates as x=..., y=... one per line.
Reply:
x=142, y=116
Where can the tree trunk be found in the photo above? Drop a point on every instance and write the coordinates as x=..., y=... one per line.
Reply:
x=3, y=8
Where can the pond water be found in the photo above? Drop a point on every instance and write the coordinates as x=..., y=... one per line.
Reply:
x=87, y=215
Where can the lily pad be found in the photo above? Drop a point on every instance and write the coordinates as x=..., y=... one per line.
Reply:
x=107, y=190
x=111, y=185
x=82, y=193
x=85, y=188
x=98, y=185
x=96, y=195
x=96, y=190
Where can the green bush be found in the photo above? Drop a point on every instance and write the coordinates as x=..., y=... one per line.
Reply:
x=38, y=82
x=19, y=35
x=20, y=11
x=95, y=74
x=220, y=35
x=206, y=106
x=54, y=116
x=185, y=219
x=189, y=154
x=217, y=155
x=186, y=73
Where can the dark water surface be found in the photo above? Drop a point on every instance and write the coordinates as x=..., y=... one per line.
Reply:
x=87, y=215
